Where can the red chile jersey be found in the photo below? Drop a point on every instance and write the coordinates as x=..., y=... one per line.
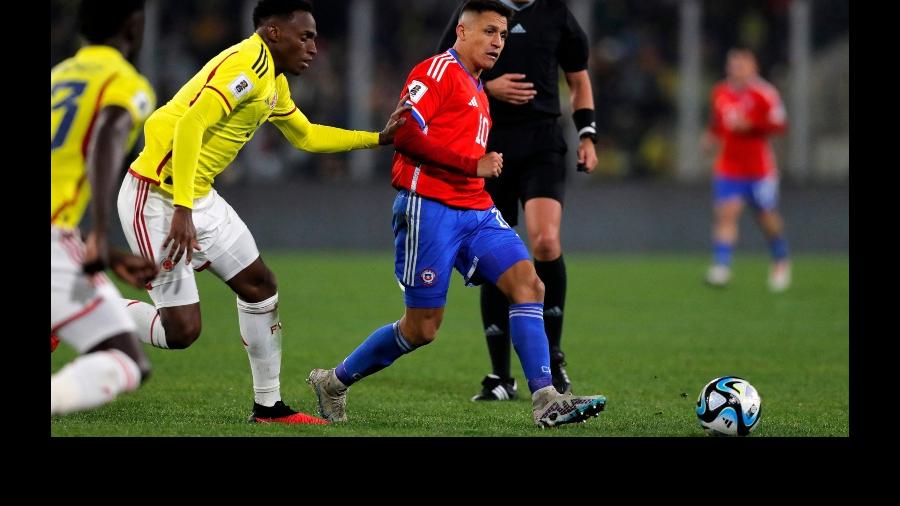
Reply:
x=451, y=108
x=746, y=154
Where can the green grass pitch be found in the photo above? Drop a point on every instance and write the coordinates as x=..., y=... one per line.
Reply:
x=642, y=330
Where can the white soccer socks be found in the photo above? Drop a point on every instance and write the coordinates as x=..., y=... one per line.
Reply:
x=149, y=327
x=261, y=335
x=92, y=380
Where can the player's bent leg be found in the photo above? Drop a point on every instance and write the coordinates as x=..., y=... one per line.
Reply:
x=543, y=217
x=128, y=344
x=181, y=325
x=416, y=328
x=261, y=335
x=94, y=379
x=526, y=323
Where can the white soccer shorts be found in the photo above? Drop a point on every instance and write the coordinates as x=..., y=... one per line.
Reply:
x=226, y=245
x=84, y=310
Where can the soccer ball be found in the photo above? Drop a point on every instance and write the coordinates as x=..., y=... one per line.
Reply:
x=728, y=406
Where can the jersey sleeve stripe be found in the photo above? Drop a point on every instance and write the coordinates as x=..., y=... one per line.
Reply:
x=443, y=69
x=87, y=136
x=221, y=95
x=210, y=76
x=162, y=164
x=284, y=113
x=417, y=116
x=262, y=52
x=263, y=71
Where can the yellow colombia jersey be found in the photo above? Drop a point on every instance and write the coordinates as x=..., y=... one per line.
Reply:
x=80, y=86
x=242, y=79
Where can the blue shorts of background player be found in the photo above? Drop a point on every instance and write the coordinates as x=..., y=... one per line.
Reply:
x=432, y=239
x=760, y=193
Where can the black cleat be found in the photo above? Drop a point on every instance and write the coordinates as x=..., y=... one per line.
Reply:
x=496, y=389
x=558, y=371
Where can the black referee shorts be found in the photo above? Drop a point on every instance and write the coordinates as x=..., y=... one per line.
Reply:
x=533, y=166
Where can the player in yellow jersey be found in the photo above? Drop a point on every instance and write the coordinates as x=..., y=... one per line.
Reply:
x=98, y=102
x=169, y=208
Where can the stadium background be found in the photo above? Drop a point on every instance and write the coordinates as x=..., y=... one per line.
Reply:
x=645, y=212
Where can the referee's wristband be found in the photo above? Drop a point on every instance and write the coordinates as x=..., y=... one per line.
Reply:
x=584, y=122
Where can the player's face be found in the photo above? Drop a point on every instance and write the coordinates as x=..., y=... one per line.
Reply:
x=486, y=39
x=296, y=45
x=741, y=66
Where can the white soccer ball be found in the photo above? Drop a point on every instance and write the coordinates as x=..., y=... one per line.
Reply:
x=729, y=406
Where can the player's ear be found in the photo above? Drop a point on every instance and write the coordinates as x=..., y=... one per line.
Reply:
x=461, y=32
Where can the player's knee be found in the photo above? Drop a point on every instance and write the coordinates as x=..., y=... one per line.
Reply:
x=530, y=289
x=180, y=334
x=261, y=287
x=422, y=332
x=546, y=247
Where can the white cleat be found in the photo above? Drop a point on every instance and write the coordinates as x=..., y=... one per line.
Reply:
x=780, y=276
x=718, y=275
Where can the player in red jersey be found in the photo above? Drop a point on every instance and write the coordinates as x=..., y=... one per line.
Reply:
x=746, y=110
x=444, y=219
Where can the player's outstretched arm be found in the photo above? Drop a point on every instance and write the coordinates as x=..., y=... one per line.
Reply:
x=395, y=121
x=106, y=150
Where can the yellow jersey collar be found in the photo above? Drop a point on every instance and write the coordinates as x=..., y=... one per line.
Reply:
x=100, y=51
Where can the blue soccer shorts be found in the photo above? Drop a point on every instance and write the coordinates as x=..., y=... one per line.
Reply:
x=431, y=239
x=760, y=193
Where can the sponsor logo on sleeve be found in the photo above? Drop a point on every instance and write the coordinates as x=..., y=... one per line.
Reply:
x=416, y=90
x=240, y=87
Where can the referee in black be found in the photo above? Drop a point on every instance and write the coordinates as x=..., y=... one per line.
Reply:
x=523, y=91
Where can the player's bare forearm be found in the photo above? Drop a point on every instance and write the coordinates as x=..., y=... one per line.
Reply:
x=582, y=95
x=105, y=154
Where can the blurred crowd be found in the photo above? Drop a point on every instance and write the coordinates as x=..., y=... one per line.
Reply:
x=634, y=69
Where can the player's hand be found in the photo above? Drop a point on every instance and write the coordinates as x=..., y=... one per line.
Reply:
x=587, y=155
x=182, y=235
x=736, y=122
x=708, y=143
x=510, y=88
x=96, y=254
x=134, y=270
x=490, y=165
x=386, y=136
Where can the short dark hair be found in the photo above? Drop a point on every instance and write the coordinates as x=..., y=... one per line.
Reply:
x=99, y=20
x=268, y=8
x=480, y=6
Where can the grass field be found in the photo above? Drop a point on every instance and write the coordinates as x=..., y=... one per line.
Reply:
x=642, y=330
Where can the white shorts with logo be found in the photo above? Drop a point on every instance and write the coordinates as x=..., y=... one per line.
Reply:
x=226, y=245
x=84, y=310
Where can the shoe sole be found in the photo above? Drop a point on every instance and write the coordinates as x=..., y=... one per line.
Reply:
x=580, y=416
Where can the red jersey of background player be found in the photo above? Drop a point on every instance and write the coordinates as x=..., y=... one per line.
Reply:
x=451, y=108
x=746, y=155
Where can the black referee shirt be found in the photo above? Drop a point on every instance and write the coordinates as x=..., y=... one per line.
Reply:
x=542, y=37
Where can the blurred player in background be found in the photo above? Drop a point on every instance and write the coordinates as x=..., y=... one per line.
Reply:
x=746, y=110
x=170, y=210
x=98, y=102
x=523, y=92
x=443, y=218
